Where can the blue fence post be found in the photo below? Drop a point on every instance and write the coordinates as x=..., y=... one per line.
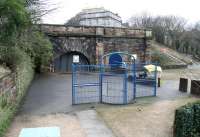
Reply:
x=134, y=80
x=125, y=88
x=155, y=82
x=73, y=86
x=100, y=83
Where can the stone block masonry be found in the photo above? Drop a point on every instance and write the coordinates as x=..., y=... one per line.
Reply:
x=93, y=42
x=8, y=86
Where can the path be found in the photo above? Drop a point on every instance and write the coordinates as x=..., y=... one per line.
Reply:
x=93, y=125
x=48, y=104
x=69, y=124
x=49, y=93
x=47, y=101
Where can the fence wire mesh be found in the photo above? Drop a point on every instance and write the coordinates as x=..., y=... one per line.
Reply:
x=111, y=84
x=145, y=81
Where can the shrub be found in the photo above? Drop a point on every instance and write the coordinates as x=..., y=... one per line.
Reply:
x=22, y=48
x=197, y=119
x=3, y=101
x=5, y=119
x=42, y=50
x=160, y=58
x=23, y=67
x=187, y=121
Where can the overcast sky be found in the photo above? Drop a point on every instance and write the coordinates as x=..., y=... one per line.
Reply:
x=189, y=9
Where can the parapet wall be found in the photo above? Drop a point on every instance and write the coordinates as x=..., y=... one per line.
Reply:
x=57, y=30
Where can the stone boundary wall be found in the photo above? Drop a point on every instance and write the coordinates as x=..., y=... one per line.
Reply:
x=175, y=66
x=195, y=87
x=8, y=86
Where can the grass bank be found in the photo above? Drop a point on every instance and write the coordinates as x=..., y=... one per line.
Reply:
x=24, y=73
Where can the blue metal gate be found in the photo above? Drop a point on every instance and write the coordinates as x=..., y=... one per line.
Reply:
x=86, y=83
x=110, y=84
x=115, y=85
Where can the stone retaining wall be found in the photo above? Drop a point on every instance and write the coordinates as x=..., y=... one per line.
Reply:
x=175, y=66
x=8, y=86
x=195, y=87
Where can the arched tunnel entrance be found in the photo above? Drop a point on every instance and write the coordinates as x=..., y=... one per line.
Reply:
x=64, y=62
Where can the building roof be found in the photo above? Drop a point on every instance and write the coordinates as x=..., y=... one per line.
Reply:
x=96, y=17
x=99, y=13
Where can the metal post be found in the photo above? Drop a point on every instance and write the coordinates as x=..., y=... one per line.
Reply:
x=158, y=82
x=125, y=88
x=155, y=78
x=73, y=82
x=134, y=80
x=100, y=82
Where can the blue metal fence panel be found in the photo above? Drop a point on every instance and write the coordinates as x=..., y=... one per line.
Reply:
x=109, y=84
x=113, y=88
x=145, y=83
x=73, y=88
x=125, y=88
x=130, y=83
x=155, y=80
x=134, y=80
x=86, y=84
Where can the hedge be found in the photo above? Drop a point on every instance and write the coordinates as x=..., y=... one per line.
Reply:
x=187, y=121
x=24, y=72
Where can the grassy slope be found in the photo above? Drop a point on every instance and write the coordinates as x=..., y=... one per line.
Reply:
x=172, y=57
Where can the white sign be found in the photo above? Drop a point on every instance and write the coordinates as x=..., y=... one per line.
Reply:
x=75, y=58
x=134, y=56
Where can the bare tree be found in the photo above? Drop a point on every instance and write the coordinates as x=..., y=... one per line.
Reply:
x=171, y=31
x=143, y=20
x=39, y=8
x=74, y=21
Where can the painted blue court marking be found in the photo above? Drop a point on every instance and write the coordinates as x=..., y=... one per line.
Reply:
x=40, y=132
